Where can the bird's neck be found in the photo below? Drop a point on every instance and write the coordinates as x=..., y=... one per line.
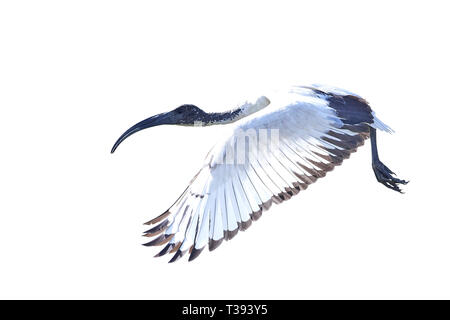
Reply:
x=234, y=115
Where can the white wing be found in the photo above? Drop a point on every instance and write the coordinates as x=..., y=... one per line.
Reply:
x=228, y=194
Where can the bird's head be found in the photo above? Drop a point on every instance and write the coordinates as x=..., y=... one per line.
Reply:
x=185, y=115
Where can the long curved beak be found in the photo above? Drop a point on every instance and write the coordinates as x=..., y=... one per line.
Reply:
x=159, y=119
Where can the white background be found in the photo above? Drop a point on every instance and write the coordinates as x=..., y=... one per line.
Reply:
x=75, y=74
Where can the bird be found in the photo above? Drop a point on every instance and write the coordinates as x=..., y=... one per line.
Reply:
x=276, y=147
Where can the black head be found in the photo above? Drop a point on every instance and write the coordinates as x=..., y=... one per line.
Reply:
x=187, y=115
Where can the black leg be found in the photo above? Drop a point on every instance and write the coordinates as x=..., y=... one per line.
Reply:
x=383, y=173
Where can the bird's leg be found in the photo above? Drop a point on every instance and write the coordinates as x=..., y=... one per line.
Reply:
x=383, y=173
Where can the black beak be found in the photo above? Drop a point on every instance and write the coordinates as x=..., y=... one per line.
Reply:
x=159, y=119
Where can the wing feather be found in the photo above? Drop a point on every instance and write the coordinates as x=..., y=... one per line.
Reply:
x=225, y=197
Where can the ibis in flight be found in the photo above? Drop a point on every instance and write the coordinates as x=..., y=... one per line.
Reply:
x=276, y=147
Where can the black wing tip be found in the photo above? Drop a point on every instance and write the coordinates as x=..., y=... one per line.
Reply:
x=256, y=215
x=155, y=241
x=157, y=229
x=158, y=218
x=231, y=234
x=178, y=255
x=166, y=249
x=158, y=241
x=195, y=253
x=214, y=244
x=245, y=224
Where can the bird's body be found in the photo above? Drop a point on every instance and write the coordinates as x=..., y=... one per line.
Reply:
x=276, y=147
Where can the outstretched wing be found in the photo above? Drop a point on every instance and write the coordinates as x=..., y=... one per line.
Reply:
x=284, y=151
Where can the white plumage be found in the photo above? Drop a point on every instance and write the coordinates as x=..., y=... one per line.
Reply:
x=226, y=195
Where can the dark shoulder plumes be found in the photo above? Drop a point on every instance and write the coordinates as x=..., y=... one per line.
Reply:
x=351, y=109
